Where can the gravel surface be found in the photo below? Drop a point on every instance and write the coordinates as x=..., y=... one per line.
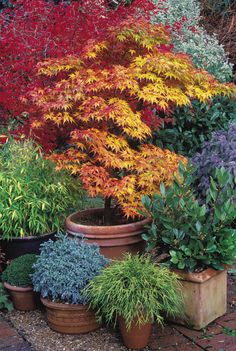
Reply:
x=33, y=326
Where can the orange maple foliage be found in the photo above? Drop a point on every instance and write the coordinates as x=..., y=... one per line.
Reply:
x=103, y=91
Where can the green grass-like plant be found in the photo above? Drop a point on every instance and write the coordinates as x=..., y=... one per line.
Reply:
x=18, y=271
x=35, y=198
x=135, y=287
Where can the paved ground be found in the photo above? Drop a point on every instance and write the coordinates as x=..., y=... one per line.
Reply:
x=10, y=340
x=219, y=336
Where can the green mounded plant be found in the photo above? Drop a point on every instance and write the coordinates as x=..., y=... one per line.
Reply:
x=193, y=236
x=65, y=267
x=19, y=270
x=34, y=196
x=5, y=303
x=134, y=287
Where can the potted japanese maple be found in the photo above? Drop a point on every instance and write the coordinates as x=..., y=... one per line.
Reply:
x=111, y=92
x=35, y=198
x=196, y=240
x=62, y=270
x=17, y=281
x=136, y=292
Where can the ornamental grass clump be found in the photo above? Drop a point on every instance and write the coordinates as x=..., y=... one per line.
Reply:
x=18, y=272
x=34, y=196
x=65, y=267
x=109, y=91
x=134, y=288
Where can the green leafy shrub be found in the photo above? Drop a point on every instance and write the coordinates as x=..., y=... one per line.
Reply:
x=19, y=270
x=5, y=303
x=34, y=196
x=193, y=236
x=194, y=126
x=134, y=287
x=65, y=267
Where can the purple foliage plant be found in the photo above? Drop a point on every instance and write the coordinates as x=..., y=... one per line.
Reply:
x=218, y=152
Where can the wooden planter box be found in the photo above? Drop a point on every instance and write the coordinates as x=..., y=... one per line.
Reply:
x=205, y=297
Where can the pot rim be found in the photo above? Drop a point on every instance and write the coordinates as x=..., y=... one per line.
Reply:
x=71, y=224
x=198, y=277
x=17, y=288
x=62, y=306
x=26, y=238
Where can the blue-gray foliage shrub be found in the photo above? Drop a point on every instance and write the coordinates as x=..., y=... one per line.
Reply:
x=204, y=49
x=218, y=152
x=65, y=267
x=194, y=125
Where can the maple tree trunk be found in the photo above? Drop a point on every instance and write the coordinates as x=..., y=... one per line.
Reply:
x=107, y=211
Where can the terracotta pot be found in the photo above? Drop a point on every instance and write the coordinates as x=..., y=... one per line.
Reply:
x=137, y=336
x=16, y=247
x=113, y=240
x=24, y=299
x=68, y=318
x=205, y=297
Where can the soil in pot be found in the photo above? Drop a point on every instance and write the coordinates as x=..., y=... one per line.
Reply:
x=136, y=337
x=70, y=319
x=24, y=299
x=113, y=240
x=20, y=246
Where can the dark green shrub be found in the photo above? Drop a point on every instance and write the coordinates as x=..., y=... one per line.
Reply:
x=135, y=287
x=65, y=267
x=193, y=126
x=193, y=236
x=19, y=270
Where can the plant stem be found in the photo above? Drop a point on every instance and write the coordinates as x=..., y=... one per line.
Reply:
x=107, y=211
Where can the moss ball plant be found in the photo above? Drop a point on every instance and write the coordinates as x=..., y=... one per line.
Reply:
x=65, y=267
x=19, y=270
x=135, y=288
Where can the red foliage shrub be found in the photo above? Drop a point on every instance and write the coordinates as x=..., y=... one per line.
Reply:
x=35, y=30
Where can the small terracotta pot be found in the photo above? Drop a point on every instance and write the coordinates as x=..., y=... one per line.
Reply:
x=136, y=337
x=113, y=240
x=68, y=318
x=24, y=299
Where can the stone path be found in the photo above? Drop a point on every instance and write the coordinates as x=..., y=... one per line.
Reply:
x=10, y=340
x=217, y=337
